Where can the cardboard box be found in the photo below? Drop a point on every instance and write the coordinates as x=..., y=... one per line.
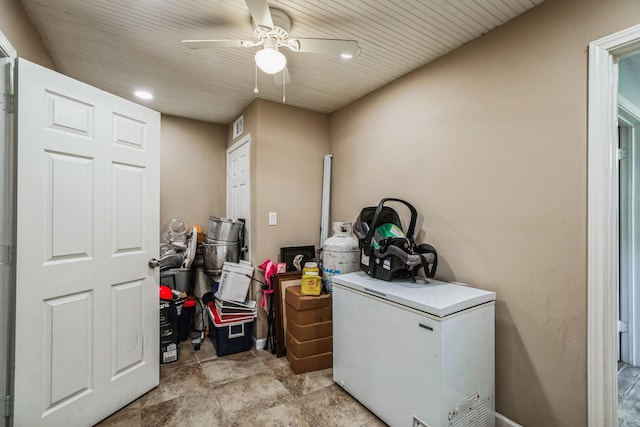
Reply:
x=300, y=365
x=310, y=332
x=309, y=348
x=169, y=340
x=308, y=317
x=300, y=302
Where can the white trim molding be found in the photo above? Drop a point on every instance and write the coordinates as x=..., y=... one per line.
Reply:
x=629, y=108
x=6, y=49
x=260, y=343
x=602, y=252
x=502, y=421
x=235, y=145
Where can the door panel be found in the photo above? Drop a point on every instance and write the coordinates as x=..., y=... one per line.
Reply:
x=128, y=191
x=68, y=178
x=87, y=224
x=127, y=350
x=67, y=350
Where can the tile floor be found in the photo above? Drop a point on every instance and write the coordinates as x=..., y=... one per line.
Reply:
x=252, y=388
x=628, y=396
x=255, y=388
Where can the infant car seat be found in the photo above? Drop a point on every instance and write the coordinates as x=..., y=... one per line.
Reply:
x=386, y=251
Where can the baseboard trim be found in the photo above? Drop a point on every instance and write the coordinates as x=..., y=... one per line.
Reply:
x=260, y=343
x=502, y=421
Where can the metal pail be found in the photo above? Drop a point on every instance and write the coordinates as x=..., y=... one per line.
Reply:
x=224, y=229
x=216, y=253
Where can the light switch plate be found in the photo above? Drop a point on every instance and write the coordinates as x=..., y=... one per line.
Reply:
x=273, y=218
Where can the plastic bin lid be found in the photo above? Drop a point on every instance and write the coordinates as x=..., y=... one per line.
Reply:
x=232, y=321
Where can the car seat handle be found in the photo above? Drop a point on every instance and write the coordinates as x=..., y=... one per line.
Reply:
x=374, y=224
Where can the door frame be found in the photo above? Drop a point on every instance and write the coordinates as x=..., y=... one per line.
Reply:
x=7, y=273
x=603, y=238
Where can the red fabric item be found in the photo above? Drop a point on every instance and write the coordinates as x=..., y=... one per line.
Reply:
x=269, y=270
x=165, y=292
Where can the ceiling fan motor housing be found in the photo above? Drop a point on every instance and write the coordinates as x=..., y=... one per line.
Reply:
x=280, y=30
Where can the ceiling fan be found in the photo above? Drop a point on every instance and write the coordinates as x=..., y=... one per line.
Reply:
x=271, y=32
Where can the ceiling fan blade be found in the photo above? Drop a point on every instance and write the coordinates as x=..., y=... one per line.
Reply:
x=277, y=77
x=259, y=10
x=201, y=44
x=335, y=47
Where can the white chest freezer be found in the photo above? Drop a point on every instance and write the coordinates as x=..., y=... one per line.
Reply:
x=416, y=354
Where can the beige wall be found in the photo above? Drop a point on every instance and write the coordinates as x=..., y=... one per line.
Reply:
x=489, y=143
x=289, y=158
x=288, y=146
x=16, y=27
x=287, y=149
x=192, y=170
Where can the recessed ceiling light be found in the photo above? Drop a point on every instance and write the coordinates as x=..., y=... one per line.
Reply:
x=142, y=94
x=346, y=55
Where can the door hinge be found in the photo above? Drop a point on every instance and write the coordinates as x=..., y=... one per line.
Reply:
x=6, y=254
x=622, y=153
x=7, y=407
x=7, y=101
x=623, y=326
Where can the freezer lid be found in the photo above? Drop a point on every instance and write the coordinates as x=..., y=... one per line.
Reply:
x=431, y=296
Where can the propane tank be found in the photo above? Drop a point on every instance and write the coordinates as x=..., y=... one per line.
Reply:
x=340, y=253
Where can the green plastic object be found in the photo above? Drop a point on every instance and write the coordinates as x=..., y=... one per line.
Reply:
x=385, y=231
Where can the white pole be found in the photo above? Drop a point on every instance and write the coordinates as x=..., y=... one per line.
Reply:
x=326, y=202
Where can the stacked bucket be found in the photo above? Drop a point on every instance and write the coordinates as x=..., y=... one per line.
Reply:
x=224, y=243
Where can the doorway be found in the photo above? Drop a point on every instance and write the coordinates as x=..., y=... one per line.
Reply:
x=239, y=188
x=603, y=269
x=629, y=238
x=629, y=244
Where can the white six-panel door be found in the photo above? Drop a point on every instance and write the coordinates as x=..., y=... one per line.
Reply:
x=239, y=185
x=87, y=225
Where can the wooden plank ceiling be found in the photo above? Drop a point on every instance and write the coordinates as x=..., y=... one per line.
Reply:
x=122, y=45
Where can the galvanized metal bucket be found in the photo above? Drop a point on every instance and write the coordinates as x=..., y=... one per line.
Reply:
x=224, y=229
x=217, y=252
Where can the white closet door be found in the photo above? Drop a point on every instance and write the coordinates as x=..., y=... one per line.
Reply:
x=239, y=185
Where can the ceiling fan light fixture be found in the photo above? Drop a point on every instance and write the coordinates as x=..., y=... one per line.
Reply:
x=269, y=59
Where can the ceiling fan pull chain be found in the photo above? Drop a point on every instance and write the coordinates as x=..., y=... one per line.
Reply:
x=255, y=88
x=284, y=85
